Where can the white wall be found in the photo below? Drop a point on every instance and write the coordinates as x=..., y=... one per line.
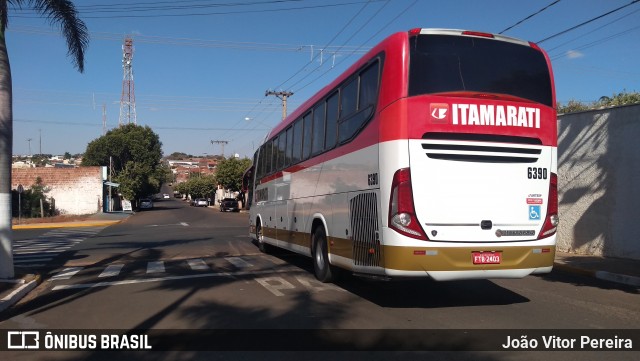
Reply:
x=598, y=181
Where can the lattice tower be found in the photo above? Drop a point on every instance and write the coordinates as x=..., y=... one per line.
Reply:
x=128, y=98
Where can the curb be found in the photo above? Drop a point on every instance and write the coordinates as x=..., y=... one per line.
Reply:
x=601, y=275
x=65, y=225
x=19, y=293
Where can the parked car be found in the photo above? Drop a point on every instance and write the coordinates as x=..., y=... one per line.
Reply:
x=165, y=196
x=146, y=203
x=200, y=202
x=229, y=204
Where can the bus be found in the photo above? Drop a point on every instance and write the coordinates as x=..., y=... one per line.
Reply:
x=434, y=155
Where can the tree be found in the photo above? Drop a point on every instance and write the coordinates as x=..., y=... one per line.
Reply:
x=134, y=152
x=230, y=171
x=61, y=12
x=622, y=98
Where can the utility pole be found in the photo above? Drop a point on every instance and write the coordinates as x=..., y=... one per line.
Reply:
x=222, y=143
x=282, y=95
x=29, y=140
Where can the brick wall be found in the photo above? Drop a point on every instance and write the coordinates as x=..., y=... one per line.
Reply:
x=75, y=190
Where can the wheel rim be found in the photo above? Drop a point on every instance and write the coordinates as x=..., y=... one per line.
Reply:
x=320, y=262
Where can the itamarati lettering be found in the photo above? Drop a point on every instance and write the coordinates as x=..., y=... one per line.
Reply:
x=496, y=115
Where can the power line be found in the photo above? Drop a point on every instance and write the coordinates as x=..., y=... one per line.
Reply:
x=28, y=16
x=592, y=31
x=369, y=39
x=530, y=16
x=587, y=22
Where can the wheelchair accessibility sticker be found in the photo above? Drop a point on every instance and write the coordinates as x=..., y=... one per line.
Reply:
x=534, y=213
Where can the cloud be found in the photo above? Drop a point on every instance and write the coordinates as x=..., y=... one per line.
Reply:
x=574, y=54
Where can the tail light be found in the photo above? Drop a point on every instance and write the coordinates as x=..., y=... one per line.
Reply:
x=552, y=220
x=402, y=217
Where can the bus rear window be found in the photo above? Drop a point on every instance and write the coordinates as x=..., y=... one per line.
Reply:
x=447, y=63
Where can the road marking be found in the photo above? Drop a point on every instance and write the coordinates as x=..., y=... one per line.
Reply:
x=275, y=284
x=170, y=278
x=238, y=262
x=155, y=267
x=67, y=273
x=197, y=264
x=112, y=270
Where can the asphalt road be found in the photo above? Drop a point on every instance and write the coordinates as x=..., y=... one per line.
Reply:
x=184, y=269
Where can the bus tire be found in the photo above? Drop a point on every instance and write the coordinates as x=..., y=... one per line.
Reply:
x=323, y=270
x=262, y=246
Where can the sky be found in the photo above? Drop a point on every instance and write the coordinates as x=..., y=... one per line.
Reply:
x=201, y=68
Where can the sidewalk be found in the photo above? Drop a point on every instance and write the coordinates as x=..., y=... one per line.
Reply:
x=617, y=270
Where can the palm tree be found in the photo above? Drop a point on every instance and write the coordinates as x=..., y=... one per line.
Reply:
x=63, y=13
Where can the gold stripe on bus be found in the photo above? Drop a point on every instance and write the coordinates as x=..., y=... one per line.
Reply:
x=338, y=246
x=461, y=259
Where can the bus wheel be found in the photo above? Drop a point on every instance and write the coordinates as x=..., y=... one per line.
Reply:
x=263, y=247
x=323, y=270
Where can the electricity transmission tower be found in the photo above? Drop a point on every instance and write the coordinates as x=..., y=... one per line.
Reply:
x=128, y=98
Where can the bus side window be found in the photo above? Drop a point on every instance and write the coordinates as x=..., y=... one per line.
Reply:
x=282, y=150
x=318, y=128
x=269, y=158
x=296, y=156
x=306, y=139
x=288, y=157
x=349, y=99
x=368, y=87
x=332, y=121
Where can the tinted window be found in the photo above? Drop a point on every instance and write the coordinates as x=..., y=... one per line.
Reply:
x=445, y=63
x=282, y=150
x=349, y=98
x=368, y=87
x=296, y=156
x=306, y=142
x=289, y=146
x=318, y=129
x=332, y=121
x=268, y=158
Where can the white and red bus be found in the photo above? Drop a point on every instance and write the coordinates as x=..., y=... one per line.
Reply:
x=434, y=155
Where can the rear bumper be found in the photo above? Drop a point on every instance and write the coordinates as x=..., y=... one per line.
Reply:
x=446, y=261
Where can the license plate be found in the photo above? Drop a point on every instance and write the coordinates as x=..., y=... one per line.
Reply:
x=486, y=257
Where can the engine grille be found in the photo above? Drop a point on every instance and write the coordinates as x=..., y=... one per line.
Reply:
x=363, y=213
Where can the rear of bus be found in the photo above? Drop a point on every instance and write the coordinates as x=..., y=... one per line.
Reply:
x=475, y=196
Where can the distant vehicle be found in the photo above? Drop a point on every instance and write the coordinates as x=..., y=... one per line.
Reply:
x=200, y=202
x=146, y=203
x=165, y=196
x=229, y=204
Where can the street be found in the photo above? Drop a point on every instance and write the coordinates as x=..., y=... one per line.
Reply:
x=177, y=267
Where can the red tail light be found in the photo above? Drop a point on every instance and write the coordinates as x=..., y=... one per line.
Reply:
x=551, y=221
x=402, y=217
x=477, y=33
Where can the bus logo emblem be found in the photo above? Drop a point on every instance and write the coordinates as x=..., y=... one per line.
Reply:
x=439, y=113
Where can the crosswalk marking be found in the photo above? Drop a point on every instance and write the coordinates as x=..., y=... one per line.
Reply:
x=112, y=270
x=238, y=262
x=157, y=270
x=33, y=252
x=197, y=264
x=155, y=267
x=67, y=273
